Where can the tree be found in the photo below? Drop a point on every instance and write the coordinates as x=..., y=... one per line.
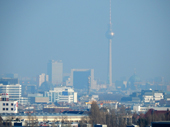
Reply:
x=113, y=122
x=95, y=116
x=1, y=121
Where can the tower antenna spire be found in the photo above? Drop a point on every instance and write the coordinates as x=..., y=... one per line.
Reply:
x=110, y=12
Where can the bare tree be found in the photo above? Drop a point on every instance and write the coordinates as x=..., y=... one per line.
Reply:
x=29, y=119
x=95, y=116
x=1, y=121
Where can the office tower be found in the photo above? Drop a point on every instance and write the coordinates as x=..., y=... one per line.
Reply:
x=42, y=78
x=55, y=71
x=82, y=78
x=62, y=94
x=109, y=35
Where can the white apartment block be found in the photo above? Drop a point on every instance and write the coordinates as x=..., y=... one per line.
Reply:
x=147, y=98
x=157, y=96
x=7, y=106
x=62, y=94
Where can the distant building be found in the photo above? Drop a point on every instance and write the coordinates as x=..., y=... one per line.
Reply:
x=82, y=78
x=31, y=88
x=138, y=108
x=38, y=98
x=7, y=81
x=9, y=75
x=145, y=96
x=42, y=78
x=62, y=94
x=134, y=82
x=6, y=105
x=55, y=109
x=55, y=71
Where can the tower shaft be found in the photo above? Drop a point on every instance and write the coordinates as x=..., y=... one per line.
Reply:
x=110, y=62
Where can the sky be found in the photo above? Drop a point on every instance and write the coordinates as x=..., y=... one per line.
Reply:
x=34, y=32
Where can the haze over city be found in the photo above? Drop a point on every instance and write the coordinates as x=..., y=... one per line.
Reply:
x=91, y=63
x=34, y=32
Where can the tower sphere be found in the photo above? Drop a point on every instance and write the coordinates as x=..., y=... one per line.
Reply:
x=109, y=34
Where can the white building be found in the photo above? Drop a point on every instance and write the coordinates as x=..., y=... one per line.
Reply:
x=14, y=92
x=156, y=96
x=42, y=78
x=147, y=98
x=7, y=106
x=62, y=94
x=143, y=109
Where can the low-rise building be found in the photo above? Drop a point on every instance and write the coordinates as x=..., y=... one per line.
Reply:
x=7, y=106
x=138, y=108
x=62, y=94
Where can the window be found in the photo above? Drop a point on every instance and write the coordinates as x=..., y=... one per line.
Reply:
x=11, y=109
x=3, y=104
x=6, y=104
x=3, y=108
x=11, y=104
x=6, y=108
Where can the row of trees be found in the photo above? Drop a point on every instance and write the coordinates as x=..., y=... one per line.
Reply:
x=150, y=116
x=120, y=118
x=111, y=118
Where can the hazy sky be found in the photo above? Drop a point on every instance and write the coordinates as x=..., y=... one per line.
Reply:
x=33, y=32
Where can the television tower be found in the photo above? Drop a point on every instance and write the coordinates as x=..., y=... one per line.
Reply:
x=109, y=35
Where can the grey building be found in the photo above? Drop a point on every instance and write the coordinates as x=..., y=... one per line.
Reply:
x=82, y=78
x=55, y=71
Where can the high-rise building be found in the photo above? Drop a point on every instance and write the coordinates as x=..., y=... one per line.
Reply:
x=55, y=71
x=42, y=78
x=82, y=78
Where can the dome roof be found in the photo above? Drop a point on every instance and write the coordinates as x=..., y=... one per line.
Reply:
x=46, y=86
x=134, y=78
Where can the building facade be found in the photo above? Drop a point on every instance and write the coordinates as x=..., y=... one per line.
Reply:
x=55, y=71
x=82, y=78
x=7, y=106
x=42, y=78
x=62, y=94
x=14, y=93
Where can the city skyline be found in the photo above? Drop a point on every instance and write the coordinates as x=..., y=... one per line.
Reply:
x=33, y=32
